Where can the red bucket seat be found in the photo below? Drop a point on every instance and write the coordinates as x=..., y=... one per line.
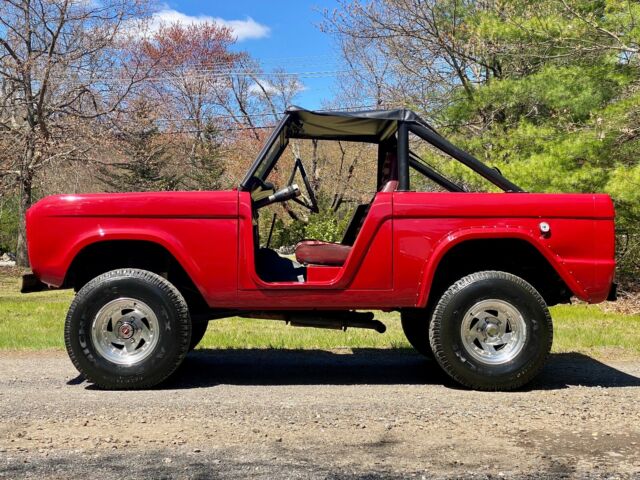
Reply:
x=317, y=252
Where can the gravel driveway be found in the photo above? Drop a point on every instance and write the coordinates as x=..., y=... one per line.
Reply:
x=312, y=414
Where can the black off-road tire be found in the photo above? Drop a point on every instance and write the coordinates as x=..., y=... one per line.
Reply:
x=198, y=329
x=161, y=297
x=415, y=325
x=445, y=333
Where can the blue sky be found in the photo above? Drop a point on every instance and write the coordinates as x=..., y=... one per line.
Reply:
x=278, y=33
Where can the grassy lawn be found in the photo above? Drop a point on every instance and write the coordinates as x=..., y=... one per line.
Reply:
x=35, y=322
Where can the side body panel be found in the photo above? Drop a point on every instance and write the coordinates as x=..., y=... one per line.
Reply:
x=198, y=228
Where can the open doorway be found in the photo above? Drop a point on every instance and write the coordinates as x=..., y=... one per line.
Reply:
x=338, y=181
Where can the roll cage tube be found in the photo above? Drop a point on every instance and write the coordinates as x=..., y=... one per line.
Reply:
x=447, y=147
x=403, y=157
x=403, y=154
x=432, y=174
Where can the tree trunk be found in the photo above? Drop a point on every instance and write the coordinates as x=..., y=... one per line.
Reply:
x=22, y=259
x=26, y=183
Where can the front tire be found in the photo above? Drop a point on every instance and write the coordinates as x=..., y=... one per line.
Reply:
x=127, y=329
x=491, y=331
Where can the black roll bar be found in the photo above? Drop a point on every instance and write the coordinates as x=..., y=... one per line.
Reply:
x=463, y=157
x=403, y=157
x=433, y=175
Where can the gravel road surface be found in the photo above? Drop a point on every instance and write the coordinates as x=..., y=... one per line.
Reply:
x=313, y=414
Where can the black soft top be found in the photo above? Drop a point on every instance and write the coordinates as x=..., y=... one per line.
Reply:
x=365, y=125
x=373, y=126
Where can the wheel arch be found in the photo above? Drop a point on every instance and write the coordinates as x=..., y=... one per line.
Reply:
x=98, y=256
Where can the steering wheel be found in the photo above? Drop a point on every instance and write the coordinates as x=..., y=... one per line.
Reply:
x=308, y=201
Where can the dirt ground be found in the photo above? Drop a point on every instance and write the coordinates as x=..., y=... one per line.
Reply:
x=312, y=414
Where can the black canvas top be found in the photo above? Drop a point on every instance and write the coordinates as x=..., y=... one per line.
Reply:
x=375, y=126
x=367, y=125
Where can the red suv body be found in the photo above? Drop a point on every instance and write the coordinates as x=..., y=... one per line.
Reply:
x=407, y=248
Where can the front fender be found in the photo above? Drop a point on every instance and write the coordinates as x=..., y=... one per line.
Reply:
x=205, y=248
x=61, y=255
x=170, y=243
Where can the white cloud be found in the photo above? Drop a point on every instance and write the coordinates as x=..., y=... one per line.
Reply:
x=271, y=89
x=268, y=87
x=241, y=29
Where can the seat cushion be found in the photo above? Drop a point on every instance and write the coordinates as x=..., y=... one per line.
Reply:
x=321, y=253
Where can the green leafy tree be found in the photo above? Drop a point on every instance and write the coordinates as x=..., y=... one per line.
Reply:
x=563, y=115
x=146, y=156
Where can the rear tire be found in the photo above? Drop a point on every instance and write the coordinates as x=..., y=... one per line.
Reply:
x=198, y=329
x=491, y=331
x=127, y=329
x=415, y=325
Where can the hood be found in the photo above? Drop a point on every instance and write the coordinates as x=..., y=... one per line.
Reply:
x=217, y=204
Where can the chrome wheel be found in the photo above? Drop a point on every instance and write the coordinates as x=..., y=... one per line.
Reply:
x=493, y=332
x=125, y=331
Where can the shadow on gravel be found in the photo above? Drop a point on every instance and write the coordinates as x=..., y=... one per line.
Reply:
x=572, y=369
x=305, y=367
x=205, y=368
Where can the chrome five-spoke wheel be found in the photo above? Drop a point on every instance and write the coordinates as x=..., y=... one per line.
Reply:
x=125, y=331
x=493, y=331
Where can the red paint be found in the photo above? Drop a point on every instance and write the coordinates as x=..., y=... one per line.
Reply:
x=390, y=265
x=321, y=273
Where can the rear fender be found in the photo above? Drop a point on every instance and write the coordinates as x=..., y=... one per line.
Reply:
x=488, y=233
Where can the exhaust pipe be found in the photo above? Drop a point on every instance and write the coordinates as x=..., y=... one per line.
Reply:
x=336, y=320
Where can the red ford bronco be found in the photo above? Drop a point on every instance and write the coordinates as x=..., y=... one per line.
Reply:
x=472, y=274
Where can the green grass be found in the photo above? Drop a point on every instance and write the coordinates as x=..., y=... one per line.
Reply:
x=587, y=329
x=247, y=333
x=35, y=322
